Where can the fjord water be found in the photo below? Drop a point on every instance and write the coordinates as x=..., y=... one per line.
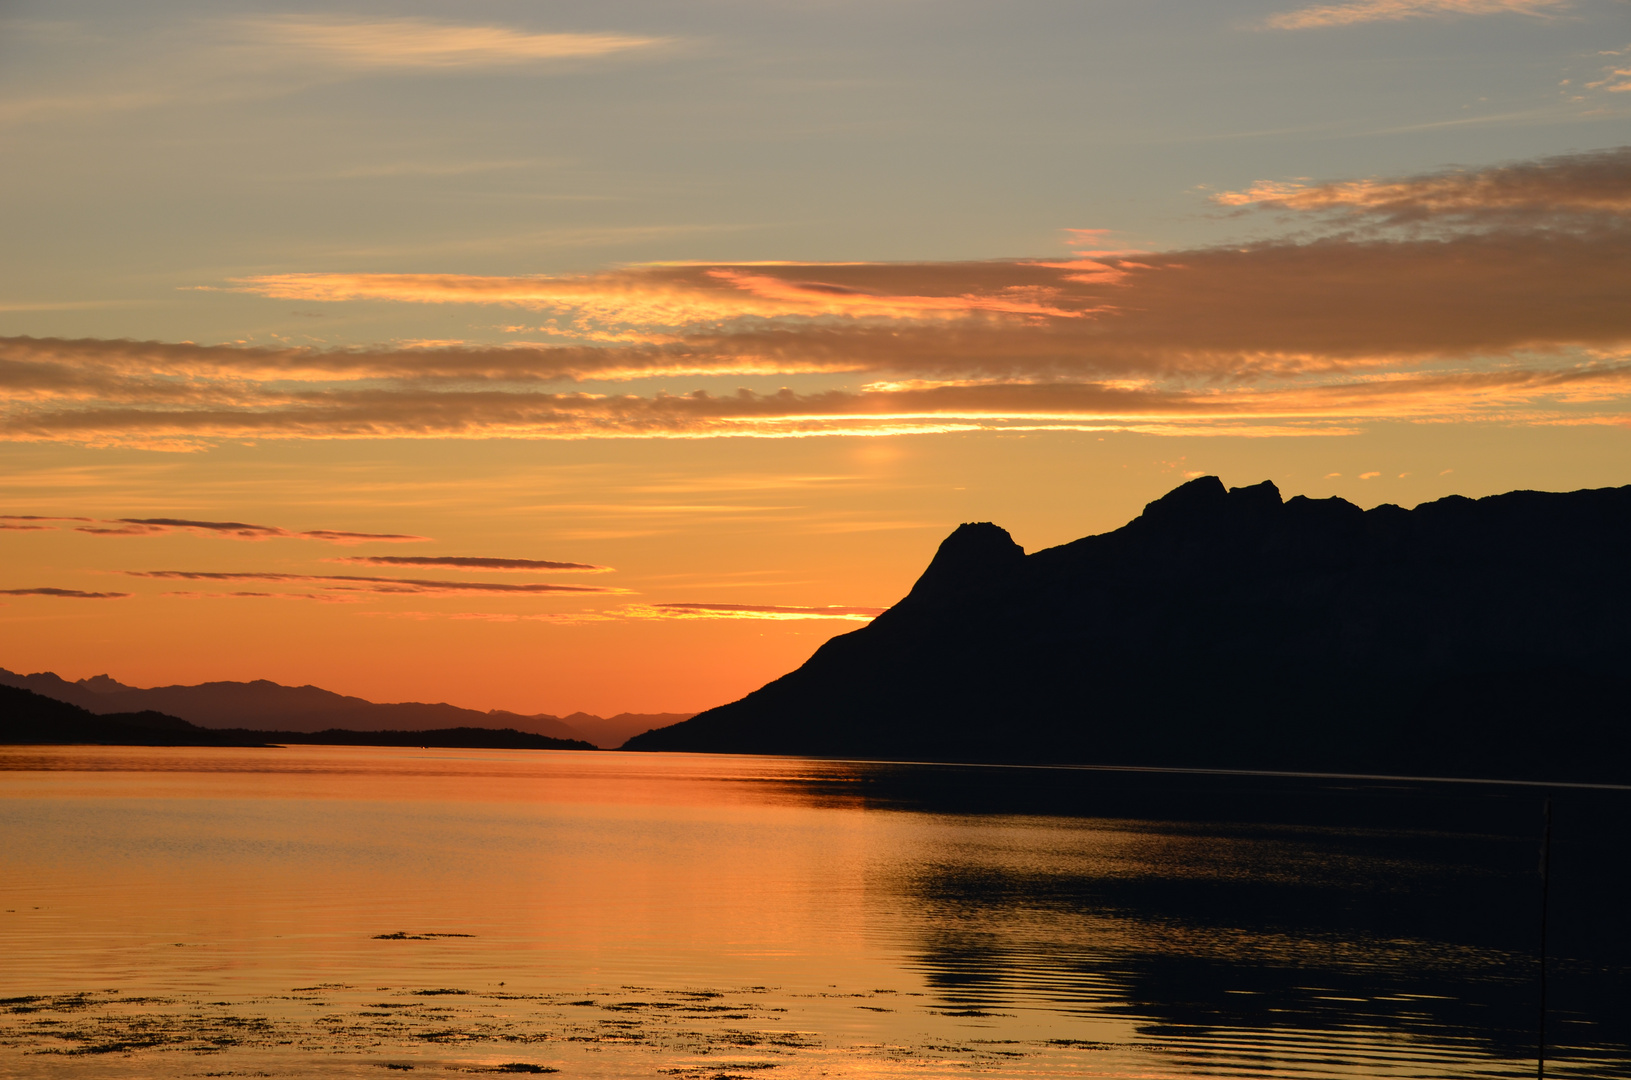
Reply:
x=335, y=911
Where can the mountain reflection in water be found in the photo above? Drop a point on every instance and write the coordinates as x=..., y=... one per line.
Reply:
x=331, y=911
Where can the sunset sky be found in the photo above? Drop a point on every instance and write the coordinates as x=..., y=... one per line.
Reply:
x=611, y=356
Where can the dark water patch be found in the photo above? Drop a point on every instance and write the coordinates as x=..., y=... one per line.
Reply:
x=403, y=935
x=1358, y=913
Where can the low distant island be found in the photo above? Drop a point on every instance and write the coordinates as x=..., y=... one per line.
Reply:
x=30, y=719
x=267, y=712
x=1229, y=628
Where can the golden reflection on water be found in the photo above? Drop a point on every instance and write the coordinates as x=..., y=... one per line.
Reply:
x=343, y=911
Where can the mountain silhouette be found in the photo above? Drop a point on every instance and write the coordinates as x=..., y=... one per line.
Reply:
x=311, y=709
x=30, y=718
x=1228, y=628
x=27, y=718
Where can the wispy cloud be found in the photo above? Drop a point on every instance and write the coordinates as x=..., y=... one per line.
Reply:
x=238, y=530
x=325, y=598
x=71, y=594
x=567, y=618
x=32, y=522
x=233, y=530
x=374, y=584
x=235, y=59
x=423, y=43
x=466, y=562
x=652, y=611
x=1616, y=77
x=1581, y=186
x=1497, y=292
x=780, y=612
x=677, y=296
x=1364, y=11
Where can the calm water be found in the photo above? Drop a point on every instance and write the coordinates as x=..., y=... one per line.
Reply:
x=359, y=912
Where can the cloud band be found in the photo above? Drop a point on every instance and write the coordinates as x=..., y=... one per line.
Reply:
x=1493, y=293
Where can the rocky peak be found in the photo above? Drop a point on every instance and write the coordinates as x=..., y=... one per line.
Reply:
x=975, y=555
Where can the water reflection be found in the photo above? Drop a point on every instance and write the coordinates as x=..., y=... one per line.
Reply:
x=442, y=908
x=1275, y=912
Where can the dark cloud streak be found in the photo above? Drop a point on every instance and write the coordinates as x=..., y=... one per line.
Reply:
x=463, y=562
x=371, y=584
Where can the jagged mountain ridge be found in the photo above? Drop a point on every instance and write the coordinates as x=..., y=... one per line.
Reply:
x=268, y=705
x=1229, y=628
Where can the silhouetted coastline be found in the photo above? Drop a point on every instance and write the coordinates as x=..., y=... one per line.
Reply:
x=261, y=704
x=1226, y=628
x=27, y=718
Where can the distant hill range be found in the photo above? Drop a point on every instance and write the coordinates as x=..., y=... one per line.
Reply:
x=27, y=718
x=271, y=706
x=1226, y=628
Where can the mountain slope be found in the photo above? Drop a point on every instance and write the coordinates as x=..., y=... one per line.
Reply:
x=1231, y=629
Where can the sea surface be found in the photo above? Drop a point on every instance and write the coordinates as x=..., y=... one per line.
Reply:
x=364, y=912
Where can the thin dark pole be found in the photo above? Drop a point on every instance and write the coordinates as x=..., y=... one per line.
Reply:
x=1545, y=890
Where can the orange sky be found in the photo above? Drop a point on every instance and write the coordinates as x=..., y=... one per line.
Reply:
x=479, y=408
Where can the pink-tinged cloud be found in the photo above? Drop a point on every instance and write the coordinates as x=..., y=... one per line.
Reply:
x=1364, y=11
x=469, y=562
x=71, y=594
x=751, y=611
x=374, y=584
